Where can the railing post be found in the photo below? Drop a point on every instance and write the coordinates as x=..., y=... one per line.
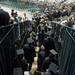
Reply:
x=19, y=36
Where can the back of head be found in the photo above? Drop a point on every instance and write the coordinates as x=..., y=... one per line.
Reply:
x=4, y=17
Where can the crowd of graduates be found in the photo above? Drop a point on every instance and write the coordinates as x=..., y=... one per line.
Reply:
x=39, y=41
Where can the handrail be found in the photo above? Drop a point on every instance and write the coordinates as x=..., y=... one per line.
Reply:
x=6, y=35
x=70, y=35
x=6, y=26
x=13, y=27
x=70, y=31
x=63, y=25
x=10, y=25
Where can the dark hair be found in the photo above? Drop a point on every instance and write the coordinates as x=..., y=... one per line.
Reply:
x=12, y=10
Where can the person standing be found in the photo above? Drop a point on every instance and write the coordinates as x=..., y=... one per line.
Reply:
x=29, y=53
x=41, y=57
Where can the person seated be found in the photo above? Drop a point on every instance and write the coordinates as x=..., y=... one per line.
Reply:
x=20, y=60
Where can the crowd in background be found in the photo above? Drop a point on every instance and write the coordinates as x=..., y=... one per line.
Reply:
x=40, y=39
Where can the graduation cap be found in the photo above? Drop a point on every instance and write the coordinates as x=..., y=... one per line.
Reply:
x=49, y=27
x=53, y=67
x=30, y=29
x=20, y=51
x=26, y=73
x=26, y=45
x=18, y=71
x=30, y=40
x=48, y=73
x=48, y=33
x=53, y=52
